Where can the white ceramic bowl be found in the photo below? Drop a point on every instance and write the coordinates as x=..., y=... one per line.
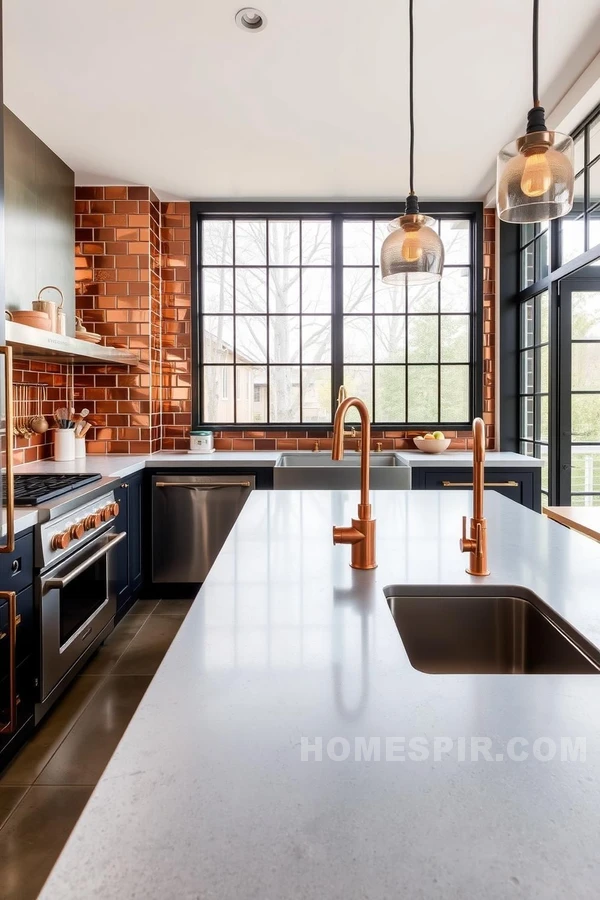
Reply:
x=431, y=445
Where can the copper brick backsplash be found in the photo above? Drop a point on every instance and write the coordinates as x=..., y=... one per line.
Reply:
x=133, y=286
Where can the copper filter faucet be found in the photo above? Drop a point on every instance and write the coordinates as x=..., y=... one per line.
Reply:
x=361, y=534
x=476, y=544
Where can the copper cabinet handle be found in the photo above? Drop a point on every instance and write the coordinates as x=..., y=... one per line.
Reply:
x=11, y=725
x=203, y=486
x=487, y=484
x=9, y=546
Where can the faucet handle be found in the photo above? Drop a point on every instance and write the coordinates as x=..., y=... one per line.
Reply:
x=468, y=544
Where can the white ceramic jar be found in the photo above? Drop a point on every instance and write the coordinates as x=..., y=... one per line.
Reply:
x=201, y=442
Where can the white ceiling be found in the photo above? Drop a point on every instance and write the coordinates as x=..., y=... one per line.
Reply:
x=172, y=94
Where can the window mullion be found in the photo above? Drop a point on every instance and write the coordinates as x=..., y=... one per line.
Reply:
x=337, y=318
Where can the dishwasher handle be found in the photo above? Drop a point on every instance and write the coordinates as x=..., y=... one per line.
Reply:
x=203, y=486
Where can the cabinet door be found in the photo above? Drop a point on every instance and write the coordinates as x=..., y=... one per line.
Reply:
x=120, y=555
x=516, y=484
x=135, y=532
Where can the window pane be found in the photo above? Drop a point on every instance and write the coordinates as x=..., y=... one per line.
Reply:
x=250, y=290
x=423, y=394
x=251, y=339
x=423, y=298
x=422, y=339
x=218, y=393
x=284, y=243
x=585, y=475
x=316, y=394
x=594, y=184
x=390, y=394
x=359, y=383
x=585, y=417
x=250, y=242
x=251, y=393
x=542, y=312
x=217, y=339
x=455, y=393
x=527, y=265
x=542, y=375
x=585, y=315
x=573, y=227
x=217, y=290
x=284, y=339
x=316, y=290
x=316, y=243
x=594, y=229
x=456, y=238
x=455, y=339
x=388, y=297
x=358, y=290
x=284, y=393
x=316, y=339
x=389, y=340
x=217, y=242
x=527, y=418
x=585, y=367
x=358, y=243
x=358, y=339
x=542, y=425
x=284, y=290
x=527, y=233
x=455, y=290
x=527, y=324
x=527, y=382
x=542, y=257
x=542, y=453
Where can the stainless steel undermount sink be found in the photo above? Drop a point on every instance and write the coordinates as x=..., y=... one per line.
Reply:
x=317, y=470
x=487, y=630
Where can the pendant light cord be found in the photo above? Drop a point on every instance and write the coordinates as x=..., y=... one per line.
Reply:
x=411, y=94
x=535, y=42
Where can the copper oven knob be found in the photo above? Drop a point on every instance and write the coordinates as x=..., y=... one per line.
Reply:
x=60, y=541
x=76, y=531
x=105, y=513
x=92, y=521
x=115, y=509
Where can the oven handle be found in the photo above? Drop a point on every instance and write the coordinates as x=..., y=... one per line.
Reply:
x=60, y=583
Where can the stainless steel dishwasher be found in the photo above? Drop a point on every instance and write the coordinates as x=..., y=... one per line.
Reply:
x=191, y=518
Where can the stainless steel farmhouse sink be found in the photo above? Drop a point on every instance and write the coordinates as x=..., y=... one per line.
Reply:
x=318, y=471
x=487, y=630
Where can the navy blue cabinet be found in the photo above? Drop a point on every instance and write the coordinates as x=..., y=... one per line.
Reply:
x=519, y=484
x=128, y=556
x=16, y=576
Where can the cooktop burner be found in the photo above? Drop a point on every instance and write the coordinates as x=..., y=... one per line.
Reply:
x=32, y=490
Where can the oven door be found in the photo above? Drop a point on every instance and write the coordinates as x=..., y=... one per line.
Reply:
x=77, y=601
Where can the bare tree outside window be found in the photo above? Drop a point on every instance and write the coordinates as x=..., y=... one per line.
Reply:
x=268, y=324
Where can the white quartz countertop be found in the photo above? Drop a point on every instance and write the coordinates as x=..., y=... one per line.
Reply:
x=207, y=795
x=460, y=458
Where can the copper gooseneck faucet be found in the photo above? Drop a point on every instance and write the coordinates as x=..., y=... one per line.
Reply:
x=476, y=544
x=361, y=534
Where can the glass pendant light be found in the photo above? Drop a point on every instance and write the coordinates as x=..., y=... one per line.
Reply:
x=412, y=253
x=534, y=180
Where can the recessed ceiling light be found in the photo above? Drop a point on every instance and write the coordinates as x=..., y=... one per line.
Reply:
x=251, y=19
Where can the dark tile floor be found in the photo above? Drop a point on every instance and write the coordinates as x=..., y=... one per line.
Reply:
x=45, y=788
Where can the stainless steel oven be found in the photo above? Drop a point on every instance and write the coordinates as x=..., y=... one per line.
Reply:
x=76, y=594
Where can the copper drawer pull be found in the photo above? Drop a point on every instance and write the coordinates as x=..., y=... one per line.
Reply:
x=11, y=725
x=487, y=484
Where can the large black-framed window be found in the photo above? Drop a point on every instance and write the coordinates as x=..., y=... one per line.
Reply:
x=289, y=305
x=550, y=336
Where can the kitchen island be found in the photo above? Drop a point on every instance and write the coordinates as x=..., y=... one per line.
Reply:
x=287, y=648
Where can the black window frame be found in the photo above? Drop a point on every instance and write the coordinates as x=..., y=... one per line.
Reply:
x=513, y=295
x=337, y=212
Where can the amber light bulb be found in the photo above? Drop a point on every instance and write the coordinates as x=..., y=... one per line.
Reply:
x=537, y=174
x=412, y=250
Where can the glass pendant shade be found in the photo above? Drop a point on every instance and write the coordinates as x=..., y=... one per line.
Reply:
x=412, y=253
x=535, y=178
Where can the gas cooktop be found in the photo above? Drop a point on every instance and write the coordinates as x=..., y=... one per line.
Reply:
x=32, y=490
